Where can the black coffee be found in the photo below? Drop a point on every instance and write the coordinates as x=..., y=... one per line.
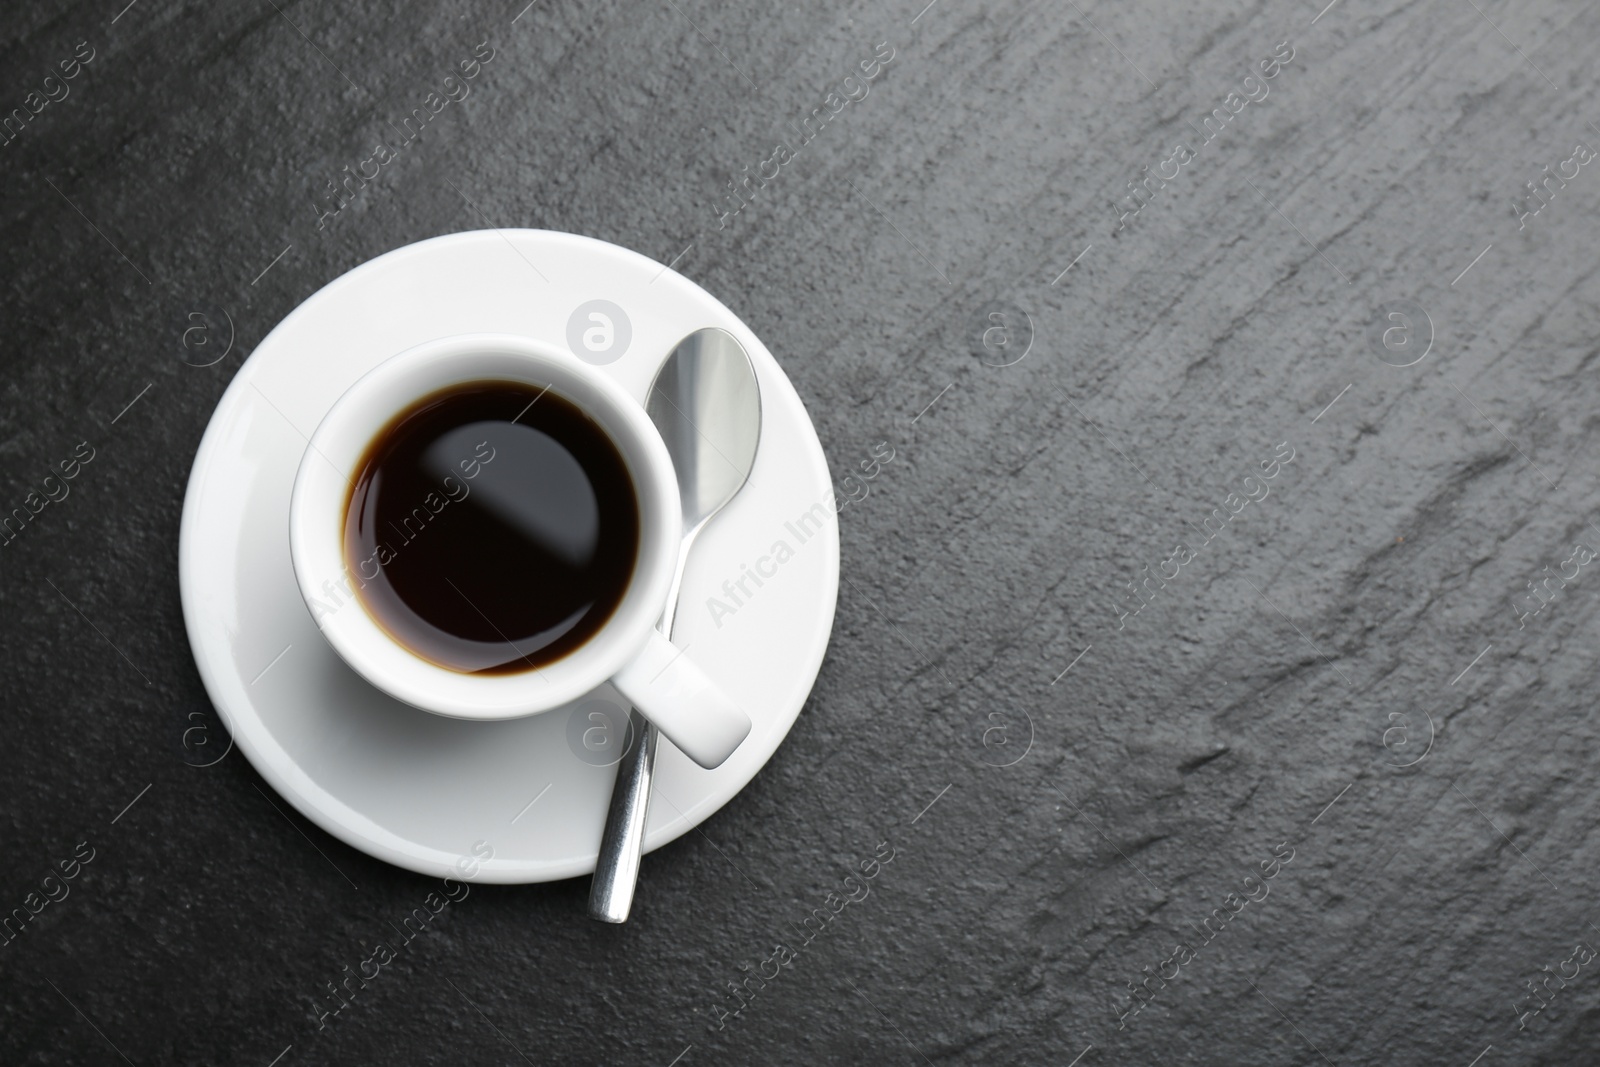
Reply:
x=492, y=527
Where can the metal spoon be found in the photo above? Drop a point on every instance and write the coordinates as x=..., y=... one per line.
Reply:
x=707, y=406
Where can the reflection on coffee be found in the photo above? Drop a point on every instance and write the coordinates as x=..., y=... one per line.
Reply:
x=493, y=526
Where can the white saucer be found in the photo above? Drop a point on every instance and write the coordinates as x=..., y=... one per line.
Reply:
x=415, y=789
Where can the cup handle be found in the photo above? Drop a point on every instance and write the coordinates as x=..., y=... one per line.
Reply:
x=682, y=702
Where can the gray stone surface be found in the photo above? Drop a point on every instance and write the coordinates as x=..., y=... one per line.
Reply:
x=1342, y=672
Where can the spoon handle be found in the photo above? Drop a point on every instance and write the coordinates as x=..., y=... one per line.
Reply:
x=616, y=868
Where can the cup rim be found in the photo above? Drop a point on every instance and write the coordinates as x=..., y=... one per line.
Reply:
x=317, y=510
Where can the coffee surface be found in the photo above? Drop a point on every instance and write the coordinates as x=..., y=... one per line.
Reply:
x=492, y=527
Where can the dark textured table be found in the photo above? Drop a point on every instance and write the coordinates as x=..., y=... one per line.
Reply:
x=1210, y=663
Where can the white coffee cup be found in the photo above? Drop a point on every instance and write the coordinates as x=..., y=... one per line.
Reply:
x=628, y=651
